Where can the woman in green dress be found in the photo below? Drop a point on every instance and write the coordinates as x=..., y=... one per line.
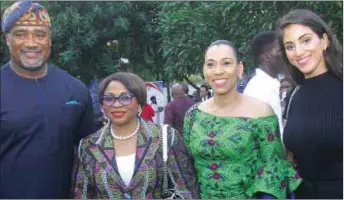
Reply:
x=235, y=139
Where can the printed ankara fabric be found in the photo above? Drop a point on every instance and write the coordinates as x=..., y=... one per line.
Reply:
x=238, y=157
x=98, y=177
x=24, y=13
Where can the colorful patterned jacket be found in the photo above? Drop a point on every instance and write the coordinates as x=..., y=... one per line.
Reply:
x=97, y=176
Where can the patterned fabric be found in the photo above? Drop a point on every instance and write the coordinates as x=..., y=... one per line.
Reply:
x=237, y=157
x=97, y=176
x=23, y=13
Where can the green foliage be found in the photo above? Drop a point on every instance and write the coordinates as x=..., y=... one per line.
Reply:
x=162, y=40
x=195, y=79
x=82, y=30
x=189, y=27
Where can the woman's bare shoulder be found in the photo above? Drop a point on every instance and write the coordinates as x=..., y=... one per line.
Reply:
x=206, y=105
x=257, y=107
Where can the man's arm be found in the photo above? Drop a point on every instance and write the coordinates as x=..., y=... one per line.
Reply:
x=86, y=124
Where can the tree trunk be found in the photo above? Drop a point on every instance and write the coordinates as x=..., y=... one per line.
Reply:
x=168, y=92
x=157, y=76
x=191, y=83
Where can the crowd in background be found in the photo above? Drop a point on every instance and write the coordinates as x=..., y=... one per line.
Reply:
x=257, y=137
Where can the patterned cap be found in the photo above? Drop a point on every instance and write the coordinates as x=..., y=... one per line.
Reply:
x=23, y=13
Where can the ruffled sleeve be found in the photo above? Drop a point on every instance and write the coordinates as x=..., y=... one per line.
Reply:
x=273, y=173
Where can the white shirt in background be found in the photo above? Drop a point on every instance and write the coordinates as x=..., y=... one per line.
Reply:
x=126, y=166
x=267, y=89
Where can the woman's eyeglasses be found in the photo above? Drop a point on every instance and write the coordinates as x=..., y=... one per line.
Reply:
x=110, y=100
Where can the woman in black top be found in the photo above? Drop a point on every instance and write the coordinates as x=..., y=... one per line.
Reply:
x=314, y=130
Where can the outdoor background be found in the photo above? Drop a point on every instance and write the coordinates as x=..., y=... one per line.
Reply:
x=159, y=40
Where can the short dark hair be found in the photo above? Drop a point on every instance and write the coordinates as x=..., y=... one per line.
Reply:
x=263, y=43
x=153, y=98
x=227, y=43
x=204, y=86
x=333, y=55
x=131, y=81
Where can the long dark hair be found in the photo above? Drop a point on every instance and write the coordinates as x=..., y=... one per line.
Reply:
x=333, y=55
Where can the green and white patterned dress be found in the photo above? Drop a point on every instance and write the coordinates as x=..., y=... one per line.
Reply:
x=237, y=157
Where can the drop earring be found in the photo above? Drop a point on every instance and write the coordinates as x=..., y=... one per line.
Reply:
x=105, y=120
x=239, y=79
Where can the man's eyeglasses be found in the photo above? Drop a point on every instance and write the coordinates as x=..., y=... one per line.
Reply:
x=110, y=100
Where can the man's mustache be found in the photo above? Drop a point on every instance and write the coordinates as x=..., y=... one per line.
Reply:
x=31, y=50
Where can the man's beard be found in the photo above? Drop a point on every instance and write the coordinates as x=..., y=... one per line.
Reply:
x=30, y=66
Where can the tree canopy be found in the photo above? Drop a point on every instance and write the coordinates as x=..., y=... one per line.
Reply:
x=189, y=27
x=89, y=38
x=161, y=40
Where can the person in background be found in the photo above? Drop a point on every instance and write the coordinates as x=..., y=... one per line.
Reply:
x=157, y=109
x=233, y=138
x=314, y=129
x=44, y=110
x=204, y=93
x=123, y=160
x=287, y=87
x=242, y=83
x=264, y=85
x=98, y=115
x=153, y=100
x=186, y=90
x=196, y=96
x=147, y=112
x=176, y=109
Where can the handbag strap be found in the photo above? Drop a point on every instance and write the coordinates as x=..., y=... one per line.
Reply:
x=170, y=193
x=164, y=143
x=163, y=140
x=288, y=154
x=291, y=98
